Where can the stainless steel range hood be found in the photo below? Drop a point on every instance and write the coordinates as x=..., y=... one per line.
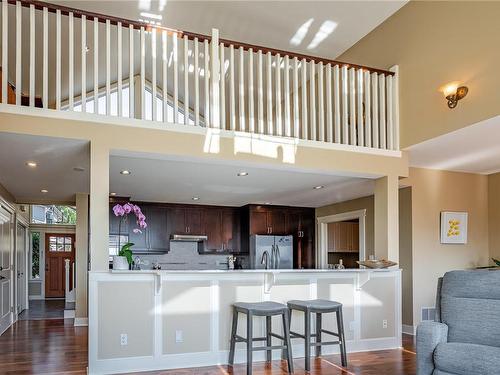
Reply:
x=189, y=237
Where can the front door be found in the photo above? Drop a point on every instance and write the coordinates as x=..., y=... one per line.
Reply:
x=6, y=253
x=58, y=247
x=21, y=250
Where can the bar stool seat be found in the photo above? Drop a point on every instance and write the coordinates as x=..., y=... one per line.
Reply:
x=261, y=308
x=319, y=307
x=267, y=309
x=315, y=305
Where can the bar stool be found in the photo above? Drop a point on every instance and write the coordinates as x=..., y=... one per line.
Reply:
x=267, y=309
x=319, y=307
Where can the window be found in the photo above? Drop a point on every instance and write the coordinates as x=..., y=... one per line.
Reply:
x=60, y=243
x=53, y=214
x=35, y=255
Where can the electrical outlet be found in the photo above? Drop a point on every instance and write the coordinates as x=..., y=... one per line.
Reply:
x=384, y=323
x=178, y=337
x=123, y=339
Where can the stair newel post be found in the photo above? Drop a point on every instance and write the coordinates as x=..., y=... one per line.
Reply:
x=214, y=80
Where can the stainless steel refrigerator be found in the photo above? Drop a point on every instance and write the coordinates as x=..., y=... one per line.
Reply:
x=271, y=252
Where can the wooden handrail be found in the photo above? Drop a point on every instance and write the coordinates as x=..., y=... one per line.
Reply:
x=78, y=13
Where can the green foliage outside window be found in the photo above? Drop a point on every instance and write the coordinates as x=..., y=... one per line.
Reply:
x=35, y=255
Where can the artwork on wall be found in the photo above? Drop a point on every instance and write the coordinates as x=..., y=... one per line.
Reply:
x=454, y=227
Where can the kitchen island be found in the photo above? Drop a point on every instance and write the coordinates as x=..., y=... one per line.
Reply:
x=152, y=320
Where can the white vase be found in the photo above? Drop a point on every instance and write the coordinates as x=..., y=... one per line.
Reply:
x=120, y=263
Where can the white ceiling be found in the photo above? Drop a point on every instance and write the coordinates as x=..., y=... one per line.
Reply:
x=287, y=25
x=473, y=149
x=160, y=180
x=56, y=158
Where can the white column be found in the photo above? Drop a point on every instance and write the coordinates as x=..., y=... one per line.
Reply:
x=81, y=255
x=386, y=218
x=99, y=206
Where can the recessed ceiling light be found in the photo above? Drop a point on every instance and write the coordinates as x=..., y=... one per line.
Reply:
x=79, y=169
x=44, y=191
x=318, y=187
x=267, y=203
x=112, y=194
x=31, y=164
x=196, y=198
x=125, y=172
x=242, y=174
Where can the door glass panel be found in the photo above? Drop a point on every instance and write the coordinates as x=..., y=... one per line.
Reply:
x=67, y=240
x=67, y=248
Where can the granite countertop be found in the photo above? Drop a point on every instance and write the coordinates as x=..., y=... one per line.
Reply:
x=357, y=270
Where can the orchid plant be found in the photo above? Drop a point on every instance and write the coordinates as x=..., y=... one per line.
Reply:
x=123, y=211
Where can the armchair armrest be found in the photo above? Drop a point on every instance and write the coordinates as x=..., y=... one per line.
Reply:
x=429, y=335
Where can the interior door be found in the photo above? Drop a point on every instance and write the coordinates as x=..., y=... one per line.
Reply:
x=58, y=247
x=6, y=272
x=22, y=285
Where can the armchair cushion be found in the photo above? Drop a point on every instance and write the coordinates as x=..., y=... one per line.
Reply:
x=465, y=359
x=429, y=335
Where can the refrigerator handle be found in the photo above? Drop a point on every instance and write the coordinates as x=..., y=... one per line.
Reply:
x=272, y=257
x=278, y=257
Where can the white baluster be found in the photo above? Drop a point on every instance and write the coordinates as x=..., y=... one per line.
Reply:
x=345, y=106
x=108, y=67
x=251, y=109
x=232, y=100
x=154, y=83
x=176, y=78
x=382, y=113
x=321, y=105
x=329, y=111
x=5, y=49
x=222, y=88
x=142, y=94
x=119, y=70
x=278, y=126
x=390, y=125
x=359, y=105
x=352, y=107
x=83, y=56
x=19, y=16
x=207, y=84
x=197, y=83
x=368, y=115
x=164, y=74
x=186, y=80
x=260, y=92
x=214, y=70
x=395, y=105
x=296, y=114
x=375, y=127
x=96, y=65
x=312, y=98
x=131, y=90
x=71, y=37
x=337, y=133
x=286, y=88
x=269, y=93
x=32, y=55
x=241, y=101
x=303, y=64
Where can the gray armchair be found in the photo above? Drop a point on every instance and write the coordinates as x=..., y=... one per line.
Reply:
x=465, y=338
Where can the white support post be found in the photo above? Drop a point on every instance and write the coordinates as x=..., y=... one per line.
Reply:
x=395, y=104
x=214, y=74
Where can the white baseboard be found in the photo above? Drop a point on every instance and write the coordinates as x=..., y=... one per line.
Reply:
x=409, y=330
x=81, y=322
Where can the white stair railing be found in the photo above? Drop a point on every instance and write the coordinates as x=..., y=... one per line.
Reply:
x=69, y=288
x=190, y=79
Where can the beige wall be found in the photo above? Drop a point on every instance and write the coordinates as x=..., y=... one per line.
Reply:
x=432, y=192
x=81, y=256
x=494, y=215
x=354, y=205
x=406, y=253
x=435, y=43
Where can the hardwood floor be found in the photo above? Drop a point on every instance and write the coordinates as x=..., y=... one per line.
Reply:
x=44, y=309
x=57, y=347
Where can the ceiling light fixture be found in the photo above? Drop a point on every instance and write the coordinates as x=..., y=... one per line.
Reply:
x=196, y=198
x=112, y=194
x=268, y=203
x=242, y=174
x=44, y=191
x=125, y=172
x=453, y=93
x=31, y=164
x=318, y=187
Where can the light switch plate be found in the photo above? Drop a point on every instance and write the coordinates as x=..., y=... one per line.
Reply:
x=123, y=339
x=178, y=337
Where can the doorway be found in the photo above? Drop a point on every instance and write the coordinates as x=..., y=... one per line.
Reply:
x=6, y=272
x=341, y=236
x=21, y=266
x=58, y=248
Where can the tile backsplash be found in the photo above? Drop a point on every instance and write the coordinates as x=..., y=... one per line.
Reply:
x=185, y=256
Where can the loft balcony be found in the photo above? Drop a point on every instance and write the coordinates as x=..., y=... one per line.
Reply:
x=91, y=66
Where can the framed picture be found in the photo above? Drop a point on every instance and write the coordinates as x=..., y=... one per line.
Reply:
x=454, y=227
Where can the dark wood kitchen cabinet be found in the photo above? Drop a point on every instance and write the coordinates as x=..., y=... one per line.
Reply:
x=231, y=230
x=185, y=220
x=221, y=225
x=267, y=220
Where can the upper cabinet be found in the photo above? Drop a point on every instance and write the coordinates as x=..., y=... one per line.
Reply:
x=267, y=220
x=343, y=237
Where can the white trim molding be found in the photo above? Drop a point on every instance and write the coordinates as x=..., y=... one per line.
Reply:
x=409, y=329
x=81, y=322
x=322, y=243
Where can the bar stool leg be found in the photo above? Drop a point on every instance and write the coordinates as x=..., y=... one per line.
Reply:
x=318, y=333
x=288, y=342
x=307, y=334
x=249, y=343
x=340, y=327
x=234, y=330
x=268, y=338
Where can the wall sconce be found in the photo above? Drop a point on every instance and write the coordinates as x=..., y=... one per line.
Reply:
x=454, y=93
